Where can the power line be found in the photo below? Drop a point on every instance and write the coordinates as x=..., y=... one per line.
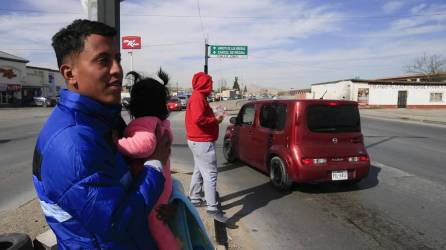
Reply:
x=201, y=20
x=40, y=11
x=242, y=17
x=148, y=45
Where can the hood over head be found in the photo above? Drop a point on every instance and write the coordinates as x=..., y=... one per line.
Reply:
x=202, y=82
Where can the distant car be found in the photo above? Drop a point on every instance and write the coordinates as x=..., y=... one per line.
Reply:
x=43, y=101
x=183, y=101
x=251, y=97
x=174, y=104
x=299, y=141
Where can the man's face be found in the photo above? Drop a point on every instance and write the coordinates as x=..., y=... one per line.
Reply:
x=97, y=70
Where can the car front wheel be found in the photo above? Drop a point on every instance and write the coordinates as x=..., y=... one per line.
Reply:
x=279, y=175
x=228, y=151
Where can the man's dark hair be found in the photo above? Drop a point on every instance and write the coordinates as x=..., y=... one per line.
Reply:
x=148, y=96
x=70, y=40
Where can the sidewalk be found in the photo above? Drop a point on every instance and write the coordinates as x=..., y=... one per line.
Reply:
x=28, y=219
x=433, y=116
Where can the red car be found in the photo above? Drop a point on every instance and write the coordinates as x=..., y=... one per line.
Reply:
x=299, y=141
x=173, y=104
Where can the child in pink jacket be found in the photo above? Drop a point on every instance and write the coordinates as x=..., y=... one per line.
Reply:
x=148, y=108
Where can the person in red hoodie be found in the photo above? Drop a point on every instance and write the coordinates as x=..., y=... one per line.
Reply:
x=202, y=132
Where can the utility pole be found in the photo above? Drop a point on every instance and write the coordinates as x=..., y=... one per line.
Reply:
x=105, y=11
x=206, y=45
x=109, y=13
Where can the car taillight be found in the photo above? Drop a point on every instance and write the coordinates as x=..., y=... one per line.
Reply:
x=332, y=103
x=363, y=158
x=315, y=161
x=307, y=161
x=358, y=158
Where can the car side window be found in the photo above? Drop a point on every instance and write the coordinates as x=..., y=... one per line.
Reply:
x=247, y=115
x=268, y=116
x=281, y=116
x=273, y=116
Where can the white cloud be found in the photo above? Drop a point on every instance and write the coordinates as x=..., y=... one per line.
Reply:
x=392, y=6
x=270, y=26
x=417, y=9
x=283, y=50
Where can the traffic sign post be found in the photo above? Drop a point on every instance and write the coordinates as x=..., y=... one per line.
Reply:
x=228, y=51
x=223, y=51
x=206, y=56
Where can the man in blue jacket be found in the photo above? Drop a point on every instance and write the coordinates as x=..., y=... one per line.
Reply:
x=89, y=198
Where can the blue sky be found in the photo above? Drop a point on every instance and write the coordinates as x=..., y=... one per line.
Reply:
x=292, y=44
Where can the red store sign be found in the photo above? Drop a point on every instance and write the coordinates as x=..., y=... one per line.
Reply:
x=13, y=87
x=131, y=42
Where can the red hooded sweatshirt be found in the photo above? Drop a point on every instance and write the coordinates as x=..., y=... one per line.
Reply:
x=201, y=124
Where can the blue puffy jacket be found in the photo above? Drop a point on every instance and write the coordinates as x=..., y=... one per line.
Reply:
x=86, y=191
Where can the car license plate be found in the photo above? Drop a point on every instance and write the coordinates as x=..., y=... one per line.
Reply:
x=339, y=175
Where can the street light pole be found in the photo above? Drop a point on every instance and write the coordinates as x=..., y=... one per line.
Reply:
x=206, y=45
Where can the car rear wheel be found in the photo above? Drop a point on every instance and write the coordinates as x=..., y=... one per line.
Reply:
x=278, y=174
x=228, y=151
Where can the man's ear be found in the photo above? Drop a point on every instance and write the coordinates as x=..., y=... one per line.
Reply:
x=66, y=70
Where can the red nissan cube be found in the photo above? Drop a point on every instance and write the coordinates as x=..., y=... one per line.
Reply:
x=302, y=141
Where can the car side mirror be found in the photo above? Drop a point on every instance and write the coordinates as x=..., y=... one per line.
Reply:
x=233, y=120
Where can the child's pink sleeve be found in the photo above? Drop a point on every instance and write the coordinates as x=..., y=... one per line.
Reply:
x=140, y=144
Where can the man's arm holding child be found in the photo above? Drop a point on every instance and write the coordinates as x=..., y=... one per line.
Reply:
x=108, y=204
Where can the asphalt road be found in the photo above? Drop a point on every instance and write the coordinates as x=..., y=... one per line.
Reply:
x=18, y=131
x=399, y=206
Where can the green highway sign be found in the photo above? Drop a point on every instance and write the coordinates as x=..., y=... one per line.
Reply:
x=228, y=51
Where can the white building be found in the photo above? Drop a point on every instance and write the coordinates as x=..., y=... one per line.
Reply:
x=382, y=93
x=12, y=77
x=20, y=83
x=41, y=82
x=407, y=94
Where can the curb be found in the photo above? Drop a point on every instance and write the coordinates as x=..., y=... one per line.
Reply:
x=404, y=118
x=222, y=237
x=45, y=241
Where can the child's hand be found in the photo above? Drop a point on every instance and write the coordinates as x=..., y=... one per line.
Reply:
x=166, y=211
x=162, y=150
x=219, y=118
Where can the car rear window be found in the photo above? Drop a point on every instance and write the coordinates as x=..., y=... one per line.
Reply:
x=332, y=119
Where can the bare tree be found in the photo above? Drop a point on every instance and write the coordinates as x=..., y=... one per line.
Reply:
x=236, y=85
x=428, y=65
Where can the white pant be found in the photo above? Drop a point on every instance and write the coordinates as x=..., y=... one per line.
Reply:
x=204, y=177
